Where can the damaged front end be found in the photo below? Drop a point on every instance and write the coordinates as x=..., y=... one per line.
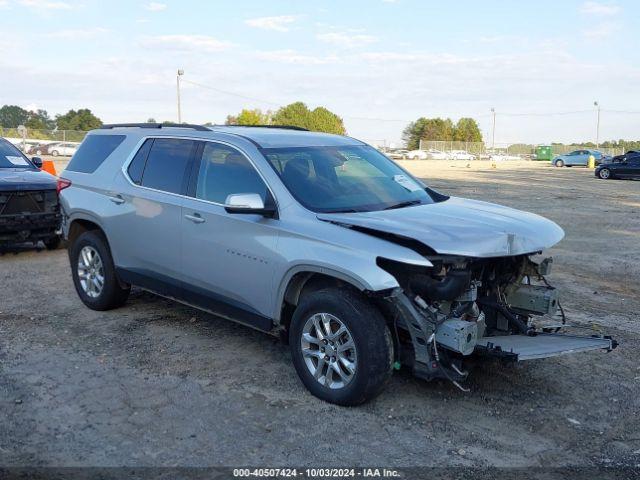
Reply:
x=482, y=307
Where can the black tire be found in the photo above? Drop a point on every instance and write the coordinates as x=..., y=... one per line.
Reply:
x=112, y=295
x=54, y=153
x=53, y=243
x=559, y=163
x=606, y=175
x=369, y=332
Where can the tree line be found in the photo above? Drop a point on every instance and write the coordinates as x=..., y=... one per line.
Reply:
x=11, y=116
x=441, y=129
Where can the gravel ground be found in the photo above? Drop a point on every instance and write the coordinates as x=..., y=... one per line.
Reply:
x=160, y=384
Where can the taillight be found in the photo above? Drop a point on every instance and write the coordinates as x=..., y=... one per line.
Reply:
x=62, y=184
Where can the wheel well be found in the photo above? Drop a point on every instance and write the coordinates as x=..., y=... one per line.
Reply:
x=80, y=226
x=303, y=283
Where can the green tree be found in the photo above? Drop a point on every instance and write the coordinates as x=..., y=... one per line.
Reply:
x=12, y=115
x=323, y=120
x=151, y=120
x=249, y=117
x=467, y=130
x=81, y=119
x=295, y=114
x=40, y=120
x=427, y=129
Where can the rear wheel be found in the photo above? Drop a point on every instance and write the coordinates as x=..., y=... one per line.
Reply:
x=341, y=346
x=604, y=174
x=559, y=163
x=94, y=274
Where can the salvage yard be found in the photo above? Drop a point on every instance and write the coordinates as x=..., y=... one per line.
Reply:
x=156, y=383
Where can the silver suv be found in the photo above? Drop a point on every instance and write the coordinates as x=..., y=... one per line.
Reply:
x=317, y=238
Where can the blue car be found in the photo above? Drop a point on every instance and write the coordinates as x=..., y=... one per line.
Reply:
x=578, y=157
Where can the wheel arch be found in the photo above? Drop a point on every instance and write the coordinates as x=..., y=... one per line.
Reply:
x=305, y=278
x=82, y=224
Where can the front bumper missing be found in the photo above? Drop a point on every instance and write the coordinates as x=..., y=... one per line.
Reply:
x=28, y=227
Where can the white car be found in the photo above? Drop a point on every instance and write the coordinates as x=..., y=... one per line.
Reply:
x=65, y=149
x=437, y=154
x=461, y=155
x=417, y=155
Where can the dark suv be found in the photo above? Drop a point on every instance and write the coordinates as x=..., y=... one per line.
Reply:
x=29, y=207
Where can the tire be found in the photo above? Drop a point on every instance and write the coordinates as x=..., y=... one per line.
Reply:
x=112, y=294
x=54, y=153
x=38, y=152
x=604, y=174
x=53, y=243
x=559, y=163
x=371, y=355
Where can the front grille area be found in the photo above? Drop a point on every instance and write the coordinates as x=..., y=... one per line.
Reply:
x=26, y=202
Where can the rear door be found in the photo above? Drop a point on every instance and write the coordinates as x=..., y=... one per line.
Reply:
x=228, y=259
x=633, y=165
x=145, y=234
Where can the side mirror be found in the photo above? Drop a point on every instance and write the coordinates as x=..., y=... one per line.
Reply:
x=37, y=161
x=249, y=203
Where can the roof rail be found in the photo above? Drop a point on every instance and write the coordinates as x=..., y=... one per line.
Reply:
x=155, y=125
x=285, y=127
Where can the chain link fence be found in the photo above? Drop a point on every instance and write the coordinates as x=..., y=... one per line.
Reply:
x=524, y=150
x=32, y=140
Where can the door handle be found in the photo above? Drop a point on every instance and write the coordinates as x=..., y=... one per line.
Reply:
x=195, y=218
x=117, y=199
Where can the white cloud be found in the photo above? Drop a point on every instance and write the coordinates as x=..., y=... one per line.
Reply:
x=156, y=6
x=75, y=34
x=291, y=56
x=45, y=4
x=186, y=43
x=4, y=3
x=345, y=39
x=602, y=30
x=598, y=8
x=279, y=24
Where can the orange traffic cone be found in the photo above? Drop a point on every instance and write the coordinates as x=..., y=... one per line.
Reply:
x=49, y=167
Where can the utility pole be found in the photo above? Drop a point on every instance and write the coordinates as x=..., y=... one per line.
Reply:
x=493, y=131
x=596, y=104
x=180, y=73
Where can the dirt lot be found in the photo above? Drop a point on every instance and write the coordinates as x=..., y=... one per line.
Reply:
x=157, y=383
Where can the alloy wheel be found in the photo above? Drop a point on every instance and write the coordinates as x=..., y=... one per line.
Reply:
x=90, y=271
x=328, y=350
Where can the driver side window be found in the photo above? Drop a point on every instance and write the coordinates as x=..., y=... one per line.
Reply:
x=225, y=171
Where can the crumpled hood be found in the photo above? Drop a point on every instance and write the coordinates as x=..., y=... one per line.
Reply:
x=459, y=226
x=12, y=179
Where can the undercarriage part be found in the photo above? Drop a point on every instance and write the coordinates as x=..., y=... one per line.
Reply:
x=458, y=335
x=507, y=315
x=449, y=288
x=536, y=299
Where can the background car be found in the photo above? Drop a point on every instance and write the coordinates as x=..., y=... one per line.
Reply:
x=621, y=166
x=579, y=158
x=64, y=149
x=461, y=155
x=400, y=154
x=417, y=155
x=434, y=154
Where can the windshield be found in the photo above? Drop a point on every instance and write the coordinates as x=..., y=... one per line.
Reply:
x=11, y=157
x=345, y=179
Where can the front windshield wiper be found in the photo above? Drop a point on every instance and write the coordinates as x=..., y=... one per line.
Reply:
x=343, y=210
x=408, y=203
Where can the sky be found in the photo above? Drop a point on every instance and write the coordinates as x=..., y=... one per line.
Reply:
x=378, y=64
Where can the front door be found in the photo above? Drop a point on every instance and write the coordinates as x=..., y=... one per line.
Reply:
x=228, y=259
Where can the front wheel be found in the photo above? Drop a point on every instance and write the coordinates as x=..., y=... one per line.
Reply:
x=604, y=174
x=54, y=153
x=341, y=347
x=559, y=163
x=94, y=274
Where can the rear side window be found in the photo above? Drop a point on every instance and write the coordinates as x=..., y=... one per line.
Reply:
x=167, y=164
x=136, y=167
x=93, y=151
